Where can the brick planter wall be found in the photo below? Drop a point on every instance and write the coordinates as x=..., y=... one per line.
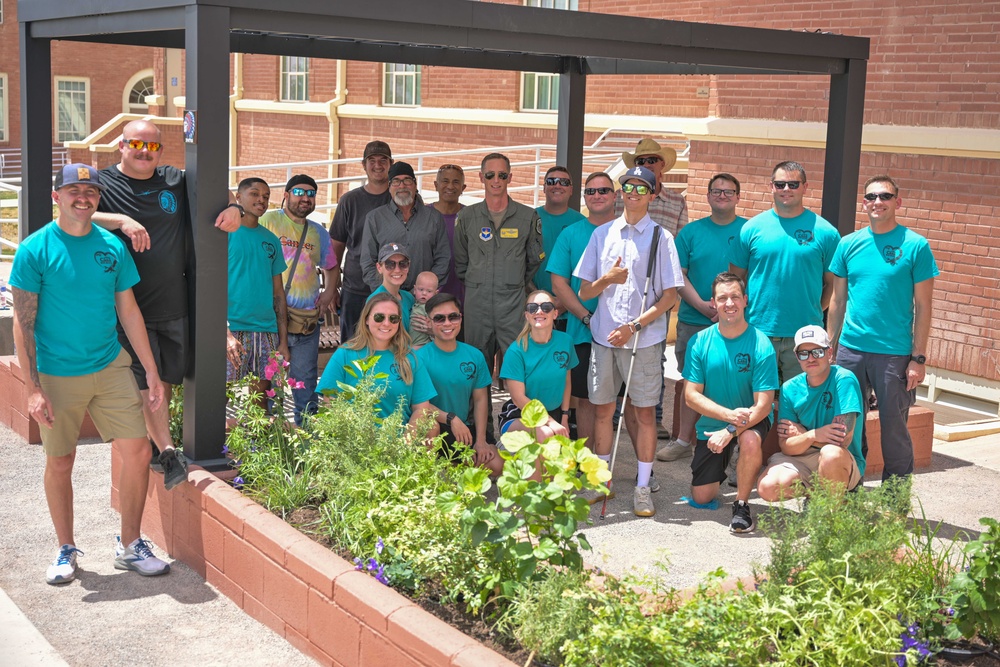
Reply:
x=14, y=404
x=301, y=590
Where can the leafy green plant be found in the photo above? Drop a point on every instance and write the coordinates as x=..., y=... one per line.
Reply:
x=177, y=413
x=976, y=589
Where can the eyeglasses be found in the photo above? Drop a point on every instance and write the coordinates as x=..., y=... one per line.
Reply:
x=399, y=182
x=882, y=196
x=380, y=318
x=718, y=192
x=502, y=175
x=298, y=192
x=451, y=317
x=780, y=185
x=628, y=188
x=818, y=353
x=391, y=264
x=552, y=180
x=598, y=191
x=139, y=144
x=546, y=307
x=643, y=161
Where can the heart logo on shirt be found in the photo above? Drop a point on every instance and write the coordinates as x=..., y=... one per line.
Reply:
x=269, y=249
x=743, y=362
x=394, y=369
x=468, y=369
x=804, y=236
x=827, y=400
x=106, y=261
x=892, y=254
x=561, y=358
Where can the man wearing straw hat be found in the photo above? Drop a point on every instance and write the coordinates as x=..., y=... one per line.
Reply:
x=667, y=208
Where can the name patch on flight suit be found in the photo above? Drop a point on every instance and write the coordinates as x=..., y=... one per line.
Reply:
x=508, y=233
x=486, y=233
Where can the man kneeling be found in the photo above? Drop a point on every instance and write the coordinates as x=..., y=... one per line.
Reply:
x=816, y=423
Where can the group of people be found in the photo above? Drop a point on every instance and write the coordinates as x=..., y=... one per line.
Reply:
x=573, y=307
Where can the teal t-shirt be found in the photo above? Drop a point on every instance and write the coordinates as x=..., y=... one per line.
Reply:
x=565, y=256
x=542, y=368
x=814, y=407
x=785, y=259
x=731, y=370
x=397, y=394
x=881, y=270
x=703, y=249
x=75, y=278
x=254, y=259
x=552, y=228
x=406, y=298
x=455, y=375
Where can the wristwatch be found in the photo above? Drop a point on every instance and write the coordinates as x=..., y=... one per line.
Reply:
x=243, y=211
x=448, y=418
x=919, y=358
x=636, y=325
x=731, y=429
x=586, y=319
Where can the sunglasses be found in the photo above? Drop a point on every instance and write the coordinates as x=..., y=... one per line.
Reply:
x=380, y=318
x=780, y=185
x=643, y=161
x=598, y=191
x=298, y=192
x=552, y=180
x=546, y=307
x=818, y=353
x=139, y=144
x=450, y=317
x=453, y=167
x=391, y=264
x=399, y=182
x=717, y=192
x=882, y=196
x=502, y=175
x=629, y=188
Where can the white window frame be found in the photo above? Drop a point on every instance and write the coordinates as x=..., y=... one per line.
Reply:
x=1, y=11
x=60, y=135
x=568, y=5
x=127, y=106
x=396, y=73
x=543, y=80
x=294, y=82
x=4, y=105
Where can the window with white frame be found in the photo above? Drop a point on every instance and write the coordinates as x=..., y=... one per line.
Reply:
x=1, y=11
x=3, y=107
x=402, y=85
x=72, y=109
x=540, y=90
x=137, y=93
x=294, y=79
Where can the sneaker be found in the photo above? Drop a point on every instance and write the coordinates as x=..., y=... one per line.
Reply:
x=174, y=468
x=654, y=484
x=673, y=451
x=63, y=568
x=154, y=459
x=742, y=518
x=594, y=496
x=138, y=557
x=642, y=503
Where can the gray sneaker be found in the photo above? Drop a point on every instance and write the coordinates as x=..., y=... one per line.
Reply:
x=642, y=502
x=654, y=484
x=63, y=568
x=673, y=451
x=139, y=557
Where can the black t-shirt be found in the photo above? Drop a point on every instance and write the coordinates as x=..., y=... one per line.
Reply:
x=348, y=227
x=160, y=205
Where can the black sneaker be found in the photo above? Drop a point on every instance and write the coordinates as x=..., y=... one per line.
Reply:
x=174, y=468
x=742, y=518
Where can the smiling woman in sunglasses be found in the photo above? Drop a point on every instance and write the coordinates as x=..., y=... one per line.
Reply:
x=394, y=267
x=407, y=385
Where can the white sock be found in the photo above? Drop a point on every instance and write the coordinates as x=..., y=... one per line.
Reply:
x=645, y=470
x=682, y=443
x=605, y=457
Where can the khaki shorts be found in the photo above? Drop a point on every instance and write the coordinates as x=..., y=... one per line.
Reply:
x=110, y=395
x=609, y=370
x=806, y=464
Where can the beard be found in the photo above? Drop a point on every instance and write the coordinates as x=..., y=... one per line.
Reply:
x=403, y=198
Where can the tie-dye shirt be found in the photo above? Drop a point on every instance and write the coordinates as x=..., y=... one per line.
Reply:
x=317, y=253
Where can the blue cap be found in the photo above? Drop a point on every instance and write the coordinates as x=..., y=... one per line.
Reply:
x=72, y=174
x=639, y=173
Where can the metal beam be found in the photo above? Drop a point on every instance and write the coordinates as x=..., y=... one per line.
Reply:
x=36, y=131
x=569, y=132
x=109, y=24
x=614, y=66
x=167, y=39
x=843, y=146
x=207, y=92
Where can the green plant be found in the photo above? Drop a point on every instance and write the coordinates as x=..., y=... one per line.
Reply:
x=547, y=612
x=976, y=589
x=177, y=413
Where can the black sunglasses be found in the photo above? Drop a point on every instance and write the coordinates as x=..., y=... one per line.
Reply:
x=545, y=307
x=502, y=175
x=380, y=318
x=391, y=264
x=450, y=317
x=598, y=191
x=552, y=180
x=818, y=353
x=780, y=185
x=643, y=161
x=883, y=196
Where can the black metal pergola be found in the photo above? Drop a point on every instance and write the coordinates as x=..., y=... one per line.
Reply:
x=454, y=33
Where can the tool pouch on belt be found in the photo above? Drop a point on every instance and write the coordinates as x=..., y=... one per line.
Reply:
x=302, y=320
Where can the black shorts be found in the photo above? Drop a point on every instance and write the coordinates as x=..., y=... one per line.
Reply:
x=510, y=412
x=579, y=387
x=169, y=343
x=708, y=467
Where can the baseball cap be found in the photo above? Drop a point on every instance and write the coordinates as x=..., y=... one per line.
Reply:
x=72, y=174
x=400, y=169
x=377, y=148
x=812, y=334
x=300, y=179
x=639, y=173
x=390, y=249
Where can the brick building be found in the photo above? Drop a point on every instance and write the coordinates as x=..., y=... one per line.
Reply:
x=931, y=118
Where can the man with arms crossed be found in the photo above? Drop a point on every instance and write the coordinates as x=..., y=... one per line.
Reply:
x=817, y=423
x=881, y=311
x=731, y=375
x=69, y=281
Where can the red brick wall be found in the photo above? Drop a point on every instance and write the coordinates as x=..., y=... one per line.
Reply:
x=266, y=138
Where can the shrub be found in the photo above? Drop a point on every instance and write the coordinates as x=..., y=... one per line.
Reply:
x=976, y=589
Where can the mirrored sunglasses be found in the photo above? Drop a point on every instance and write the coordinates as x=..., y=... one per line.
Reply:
x=139, y=144
x=552, y=180
x=628, y=188
x=502, y=175
x=818, y=353
x=298, y=192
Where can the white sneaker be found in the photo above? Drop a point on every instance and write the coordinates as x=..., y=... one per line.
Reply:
x=138, y=557
x=63, y=568
x=642, y=502
x=673, y=451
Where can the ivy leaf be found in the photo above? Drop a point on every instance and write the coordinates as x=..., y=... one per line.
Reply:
x=515, y=441
x=534, y=414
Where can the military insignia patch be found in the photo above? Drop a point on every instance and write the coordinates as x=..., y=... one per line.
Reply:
x=486, y=233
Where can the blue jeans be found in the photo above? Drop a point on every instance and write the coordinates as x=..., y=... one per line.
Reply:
x=304, y=366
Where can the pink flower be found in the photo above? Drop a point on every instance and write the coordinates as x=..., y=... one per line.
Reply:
x=271, y=368
x=299, y=384
x=269, y=393
x=286, y=364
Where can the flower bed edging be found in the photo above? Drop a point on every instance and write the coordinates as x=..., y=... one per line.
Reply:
x=301, y=590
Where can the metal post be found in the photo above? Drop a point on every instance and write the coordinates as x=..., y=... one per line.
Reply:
x=572, y=113
x=843, y=145
x=207, y=44
x=36, y=133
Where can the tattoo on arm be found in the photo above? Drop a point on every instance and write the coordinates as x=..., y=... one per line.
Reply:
x=26, y=307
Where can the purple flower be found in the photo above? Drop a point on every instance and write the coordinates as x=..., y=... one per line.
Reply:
x=238, y=483
x=379, y=546
x=225, y=449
